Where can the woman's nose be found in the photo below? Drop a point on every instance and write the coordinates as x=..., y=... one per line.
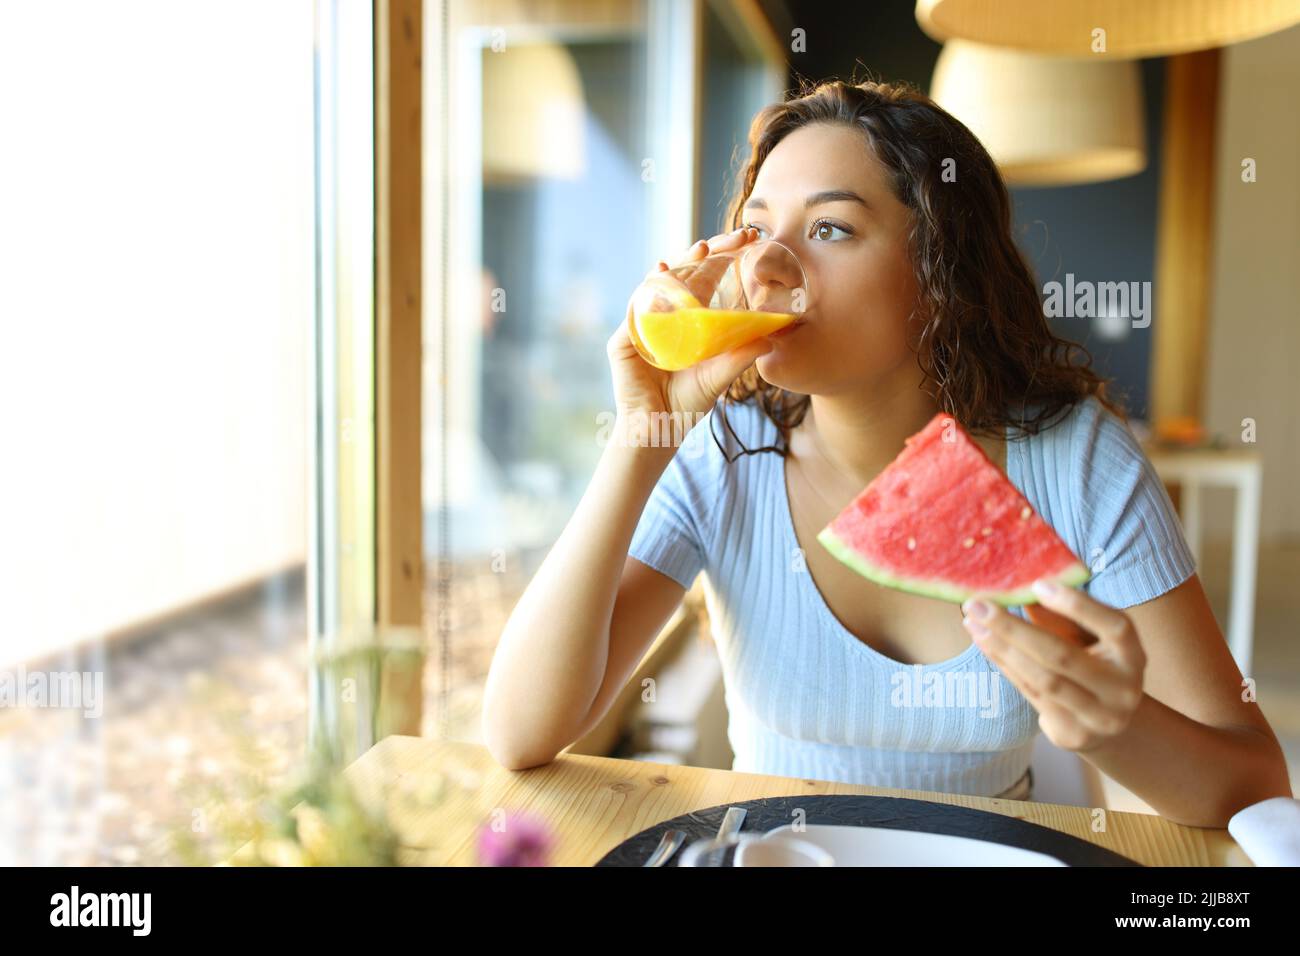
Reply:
x=771, y=264
x=771, y=270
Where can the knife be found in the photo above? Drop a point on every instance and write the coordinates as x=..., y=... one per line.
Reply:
x=669, y=843
x=731, y=824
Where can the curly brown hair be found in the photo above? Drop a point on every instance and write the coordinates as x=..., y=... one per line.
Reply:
x=985, y=344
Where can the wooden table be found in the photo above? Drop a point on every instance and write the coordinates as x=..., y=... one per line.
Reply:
x=594, y=803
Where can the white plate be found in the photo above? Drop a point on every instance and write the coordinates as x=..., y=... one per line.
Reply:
x=880, y=846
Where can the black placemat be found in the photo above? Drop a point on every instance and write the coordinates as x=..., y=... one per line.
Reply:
x=894, y=813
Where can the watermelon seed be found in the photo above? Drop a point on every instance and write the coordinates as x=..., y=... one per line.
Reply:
x=986, y=531
x=1024, y=512
x=969, y=542
x=911, y=544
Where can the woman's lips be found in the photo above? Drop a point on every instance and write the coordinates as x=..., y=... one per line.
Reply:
x=786, y=329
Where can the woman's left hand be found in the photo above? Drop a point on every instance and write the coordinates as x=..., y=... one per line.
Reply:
x=1085, y=693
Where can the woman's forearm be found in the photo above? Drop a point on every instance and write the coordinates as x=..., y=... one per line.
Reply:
x=550, y=660
x=1189, y=772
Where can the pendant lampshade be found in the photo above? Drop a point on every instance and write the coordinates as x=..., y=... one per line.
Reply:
x=1046, y=121
x=533, y=114
x=1131, y=28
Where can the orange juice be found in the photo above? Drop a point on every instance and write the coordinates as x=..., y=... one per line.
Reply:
x=681, y=338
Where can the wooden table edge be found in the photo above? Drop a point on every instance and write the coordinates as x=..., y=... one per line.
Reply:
x=594, y=803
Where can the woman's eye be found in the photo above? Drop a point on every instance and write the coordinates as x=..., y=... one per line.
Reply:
x=819, y=230
x=826, y=231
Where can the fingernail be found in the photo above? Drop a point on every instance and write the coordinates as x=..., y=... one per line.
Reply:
x=1045, y=588
x=977, y=630
x=977, y=609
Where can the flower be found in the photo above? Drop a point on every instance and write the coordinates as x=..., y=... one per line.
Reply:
x=517, y=840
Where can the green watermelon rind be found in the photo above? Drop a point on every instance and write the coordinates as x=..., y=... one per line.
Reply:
x=1072, y=575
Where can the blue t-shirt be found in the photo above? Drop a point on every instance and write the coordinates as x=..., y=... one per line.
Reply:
x=807, y=698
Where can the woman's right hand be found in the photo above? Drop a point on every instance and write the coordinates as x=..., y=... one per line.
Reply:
x=642, y=389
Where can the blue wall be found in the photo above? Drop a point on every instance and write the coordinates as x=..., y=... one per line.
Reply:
x=1103, y=232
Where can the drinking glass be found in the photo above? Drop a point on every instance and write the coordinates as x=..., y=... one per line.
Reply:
x=700, y=309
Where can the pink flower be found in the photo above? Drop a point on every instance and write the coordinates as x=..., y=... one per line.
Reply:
x=519, y=840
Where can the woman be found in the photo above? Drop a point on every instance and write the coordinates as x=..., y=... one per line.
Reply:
x=920, y=303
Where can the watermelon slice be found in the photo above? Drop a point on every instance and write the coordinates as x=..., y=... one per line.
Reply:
x=944, y=521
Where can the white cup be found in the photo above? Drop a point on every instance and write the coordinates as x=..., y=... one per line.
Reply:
x=756, y=849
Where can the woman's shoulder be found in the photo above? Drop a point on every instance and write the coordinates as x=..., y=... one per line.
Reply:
x=714, y=443
x=1084, y=441
x=1078, y=425
x=1082, y=450
x=742, y=425
x=713, y=456
x=1123, y=522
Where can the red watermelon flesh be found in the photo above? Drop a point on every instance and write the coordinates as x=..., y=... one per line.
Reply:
x=944, y=521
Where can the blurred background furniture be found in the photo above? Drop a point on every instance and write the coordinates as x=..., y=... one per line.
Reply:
x=1194, y=469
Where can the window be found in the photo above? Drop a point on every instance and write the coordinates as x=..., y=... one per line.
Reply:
x=157, y=248
x=189, y=356
x=563, y=158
